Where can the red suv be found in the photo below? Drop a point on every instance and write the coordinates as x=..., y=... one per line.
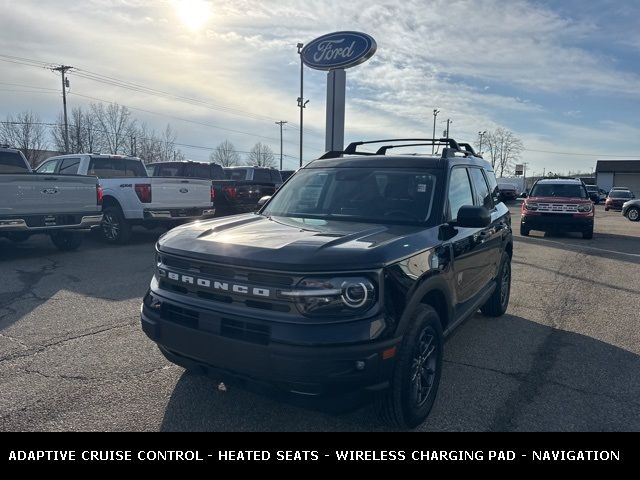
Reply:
x=557, y=204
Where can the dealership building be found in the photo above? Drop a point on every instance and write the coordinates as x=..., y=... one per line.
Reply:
x=619, y=173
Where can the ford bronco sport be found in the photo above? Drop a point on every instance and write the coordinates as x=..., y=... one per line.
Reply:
x=347, y=279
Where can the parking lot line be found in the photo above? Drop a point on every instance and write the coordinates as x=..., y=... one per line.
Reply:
x=617, y=252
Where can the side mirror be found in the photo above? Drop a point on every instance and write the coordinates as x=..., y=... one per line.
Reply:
x=262, y=201
x=471, y=216
x=524, y=195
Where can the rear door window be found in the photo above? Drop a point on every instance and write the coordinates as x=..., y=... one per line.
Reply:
x=198, y=170
x=12, y=162
x=69, y=166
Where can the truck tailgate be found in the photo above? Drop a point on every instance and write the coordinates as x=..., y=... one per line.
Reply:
x=172, y=192
x=34, y=193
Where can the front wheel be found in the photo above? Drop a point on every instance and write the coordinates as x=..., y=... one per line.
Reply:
x=67, y=241
x=498, y=302
x=633, y=214
x=416, y=375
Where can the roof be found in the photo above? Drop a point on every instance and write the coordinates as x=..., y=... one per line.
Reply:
x=626, y=166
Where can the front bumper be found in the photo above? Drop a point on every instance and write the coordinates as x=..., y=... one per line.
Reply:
x=173, y=214
x=241, y=348
x=557, y=222
x=40, y=223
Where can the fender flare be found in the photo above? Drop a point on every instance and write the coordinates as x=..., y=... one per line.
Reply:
x=434, y=281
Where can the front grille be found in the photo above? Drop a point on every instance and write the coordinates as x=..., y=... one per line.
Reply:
x=229, y=275
x=557, y=207
x=245, y=331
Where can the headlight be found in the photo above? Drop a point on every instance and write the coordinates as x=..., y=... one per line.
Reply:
x=584, y=208
x=531, y=206
x=332, y=297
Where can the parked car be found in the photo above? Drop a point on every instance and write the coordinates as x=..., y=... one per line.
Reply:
x=508, y=191
x=286, y=174
x=58, y=206
x=240, y=194
x=557, y=204
x=631, y=210
x=347, y=280
x=131, y=197
x=594, y=193
x=616, y=198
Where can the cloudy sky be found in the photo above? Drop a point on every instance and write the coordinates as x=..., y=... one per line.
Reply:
x=563, y=75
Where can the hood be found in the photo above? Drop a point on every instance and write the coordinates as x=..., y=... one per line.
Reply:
x=563, y=200
x=296, y=244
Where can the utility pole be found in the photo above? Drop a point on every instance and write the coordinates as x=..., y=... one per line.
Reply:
x=435, y=114
x=481, y=134
x=449, y=122
x=65, y=83
x=281, y=123
x=301, y=103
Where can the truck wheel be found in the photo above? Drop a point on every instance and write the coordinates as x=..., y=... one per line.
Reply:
x=416, y=375
x=588, y=235
x=18, y=237
x=524, y=231
x=499, y=299
x=633, y=214
x=115, y=227
x=67, y=241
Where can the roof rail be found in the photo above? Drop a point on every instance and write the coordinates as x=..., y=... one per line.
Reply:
x=453, y=147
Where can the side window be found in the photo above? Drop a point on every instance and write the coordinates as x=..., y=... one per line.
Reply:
x=217, y=173
x=459, y=191
x=48, y=167
x=198, y=170
x=275, y=176
x=69, y=166
x=480, y=188
x=261, y=175
x=493, y=186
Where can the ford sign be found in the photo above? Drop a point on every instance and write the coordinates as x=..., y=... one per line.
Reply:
x=338, y=50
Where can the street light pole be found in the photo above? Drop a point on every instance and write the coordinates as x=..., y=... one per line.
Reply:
x=482, y=134
x=449, y=122
x=301, y=103
x=435, y=114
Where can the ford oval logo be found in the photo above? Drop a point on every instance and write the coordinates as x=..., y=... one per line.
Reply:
x=338, y=50
x=183, y=190
x=50, y=191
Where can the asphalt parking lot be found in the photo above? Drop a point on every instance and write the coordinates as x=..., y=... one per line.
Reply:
x=565, y=357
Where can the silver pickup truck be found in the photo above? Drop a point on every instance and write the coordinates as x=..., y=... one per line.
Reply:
x=59, y=206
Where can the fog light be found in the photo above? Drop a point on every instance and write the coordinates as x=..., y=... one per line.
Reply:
x=360, y=365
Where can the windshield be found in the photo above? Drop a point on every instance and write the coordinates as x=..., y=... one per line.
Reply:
x=620, y=194
x=567, y=190
x=357, y=194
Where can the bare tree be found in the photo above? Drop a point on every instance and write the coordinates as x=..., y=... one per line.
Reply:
x=225, y=154
x=261, y=155
x=26, y=132
x=504, y=149
x=152, y=147
x=116, y=125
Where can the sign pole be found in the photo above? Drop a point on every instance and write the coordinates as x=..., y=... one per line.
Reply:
x=336, y=90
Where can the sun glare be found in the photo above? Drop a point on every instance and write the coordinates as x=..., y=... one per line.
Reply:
x=193, y=13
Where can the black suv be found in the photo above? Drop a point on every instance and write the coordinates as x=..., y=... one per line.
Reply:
x=348, y=278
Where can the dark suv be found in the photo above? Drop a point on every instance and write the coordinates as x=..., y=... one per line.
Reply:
x=348, y=278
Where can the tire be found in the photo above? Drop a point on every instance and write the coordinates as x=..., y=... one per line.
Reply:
x=498, y=302
x=606, y=209
x=407, y=402
x=524, y=231
x=633, y=214
x=588, y=235
x=115, y=228
x=67, y=241
x=18, y=237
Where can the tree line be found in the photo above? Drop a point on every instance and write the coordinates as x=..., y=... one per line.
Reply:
x=112, y=129
x=502, y=148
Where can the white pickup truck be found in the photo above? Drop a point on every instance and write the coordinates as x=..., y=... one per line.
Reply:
x=60, y=207
x=131, y=197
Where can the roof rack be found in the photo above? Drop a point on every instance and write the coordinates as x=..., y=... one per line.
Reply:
x=453, y=147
